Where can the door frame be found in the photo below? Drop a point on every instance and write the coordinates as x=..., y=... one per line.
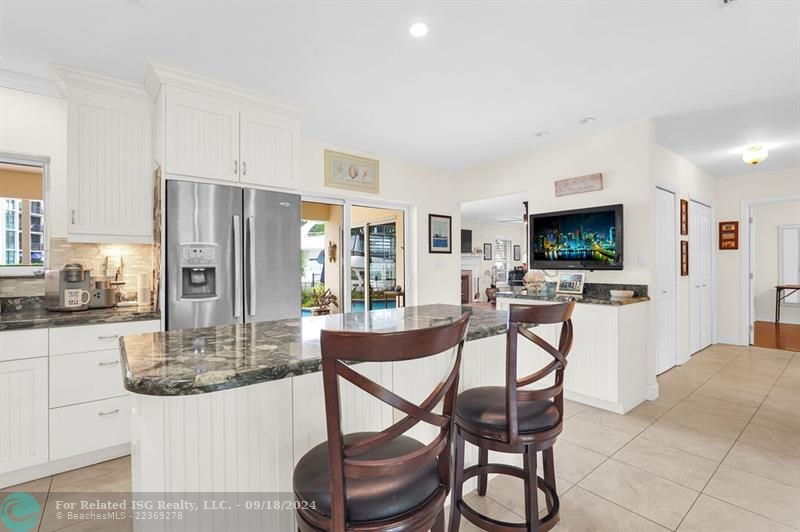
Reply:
x=712, y=273
x=747, y=267
x=679, y=358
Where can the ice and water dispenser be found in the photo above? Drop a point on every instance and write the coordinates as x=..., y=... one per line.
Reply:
x=198, y=271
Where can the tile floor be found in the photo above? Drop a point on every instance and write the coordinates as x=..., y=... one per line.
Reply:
x=718, y=451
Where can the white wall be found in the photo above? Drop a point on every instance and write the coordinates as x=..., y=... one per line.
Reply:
x=766, y=219
x=37, y=125
x=730, y=192
x=432, y=278
x=672, y=172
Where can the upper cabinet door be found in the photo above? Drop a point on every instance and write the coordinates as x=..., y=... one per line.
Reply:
x=110, y=161
x=270, y=145
x=202, y=135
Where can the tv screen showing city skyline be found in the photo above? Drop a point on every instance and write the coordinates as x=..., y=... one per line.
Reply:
x=576, y=238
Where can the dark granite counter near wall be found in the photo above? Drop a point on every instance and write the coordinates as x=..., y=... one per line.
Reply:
x=194, y=361
x=32, y=315
x=593, y=294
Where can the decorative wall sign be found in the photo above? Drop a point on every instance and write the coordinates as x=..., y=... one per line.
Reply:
x=351, y=172
x=579, y=185
x=440, y=233
x=684, y=258
x=517, y=252
x=729, y=235
x=487, y=251
x=570, y=283
x=684, y=217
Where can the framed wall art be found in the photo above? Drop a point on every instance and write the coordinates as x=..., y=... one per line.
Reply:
x=487, y=251
x=684, y=258
x=351, y=172
x=729, y=235
x=440, y=233
x=684, y=217
x=517, y=252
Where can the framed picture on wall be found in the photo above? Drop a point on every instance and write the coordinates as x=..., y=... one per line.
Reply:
x=571, y=283
x=440, y=233
x=517, y=253
x=487, y=251
x=729, y=235
x=684, y=217
x=351, y=172
x=684, y=258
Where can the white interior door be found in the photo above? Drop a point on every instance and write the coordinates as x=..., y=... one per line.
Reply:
x=666, y=294
x=700, y=304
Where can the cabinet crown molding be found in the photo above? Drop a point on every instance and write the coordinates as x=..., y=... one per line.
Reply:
x=158, y=75
x=27, y=83
x=69, y=78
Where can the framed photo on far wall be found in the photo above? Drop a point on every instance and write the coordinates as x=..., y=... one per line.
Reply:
x=684, y=258
x=729, y=235
x=517, y=252
x=684, y=217
x=487, y=251
x=440, y=233
x=571, y=283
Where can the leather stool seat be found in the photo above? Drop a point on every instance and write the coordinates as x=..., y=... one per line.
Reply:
x=485, y=407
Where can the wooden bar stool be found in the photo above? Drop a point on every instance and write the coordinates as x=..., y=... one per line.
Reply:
x=381, y=480
x=511, y=420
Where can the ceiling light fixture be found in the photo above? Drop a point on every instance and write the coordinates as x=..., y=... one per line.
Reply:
x=542, y=134
x=754, y=154
x=588, y=120
x=418, y=29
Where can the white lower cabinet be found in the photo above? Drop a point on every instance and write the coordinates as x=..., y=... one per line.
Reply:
x=83, y=377
x=23, y=413
x=87, y=427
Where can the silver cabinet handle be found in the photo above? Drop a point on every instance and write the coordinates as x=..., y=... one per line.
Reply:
x=108, y=364
x=73, y=216
x=109, y=337
x=109, y=413
x=235, y=167
x=237, y=268
x=244, y=167
x=251, y=268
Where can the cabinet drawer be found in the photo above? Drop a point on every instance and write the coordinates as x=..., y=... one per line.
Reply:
x=88, y=427
x=65, y=340
x=29, y=343
x=84, y=377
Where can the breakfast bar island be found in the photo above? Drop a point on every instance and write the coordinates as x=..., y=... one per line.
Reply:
x=230, y=409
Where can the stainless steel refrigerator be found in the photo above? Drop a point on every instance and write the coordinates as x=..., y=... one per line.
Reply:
x=232, y=255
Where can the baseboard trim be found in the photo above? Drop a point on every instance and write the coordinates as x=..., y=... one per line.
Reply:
x=732, y=340
x=12, y=478
x=652, y=392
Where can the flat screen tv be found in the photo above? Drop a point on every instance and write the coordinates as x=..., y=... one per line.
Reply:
x=582, y=239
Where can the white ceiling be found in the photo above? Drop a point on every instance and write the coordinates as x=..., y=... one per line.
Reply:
x=499, y=209
x=478, y=86
x=715, y=138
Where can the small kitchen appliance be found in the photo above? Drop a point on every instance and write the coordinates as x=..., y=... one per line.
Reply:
x=67, y=289
x=104, y=295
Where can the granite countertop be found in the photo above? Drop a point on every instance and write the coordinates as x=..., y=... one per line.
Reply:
x=586, y=299
x=41, y=319
x=195, y=361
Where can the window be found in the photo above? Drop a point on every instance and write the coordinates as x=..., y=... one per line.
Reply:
x=502, y=259
x=22, y=207
x=789, y=257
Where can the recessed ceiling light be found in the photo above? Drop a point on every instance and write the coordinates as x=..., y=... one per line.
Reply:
x=542, y=134
x=418, y=29
x=754, y=154
x=587, y=120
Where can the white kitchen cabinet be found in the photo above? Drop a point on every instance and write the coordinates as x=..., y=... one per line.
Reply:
x=84, y=377
x=87, y=427
x=270, y=145
x=27, y=343
x=202, y=135
x=110, y=159
x=23, y=413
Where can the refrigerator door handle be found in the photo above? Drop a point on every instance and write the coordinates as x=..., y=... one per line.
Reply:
x=251, y=267
x=237, y=267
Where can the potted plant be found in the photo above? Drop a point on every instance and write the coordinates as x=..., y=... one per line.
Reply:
x=321, y=300
x=491, y=275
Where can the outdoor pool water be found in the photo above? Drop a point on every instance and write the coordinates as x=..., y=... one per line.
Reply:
x=358, y=306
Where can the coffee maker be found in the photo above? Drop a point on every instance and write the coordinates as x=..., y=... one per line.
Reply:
x=67, y=289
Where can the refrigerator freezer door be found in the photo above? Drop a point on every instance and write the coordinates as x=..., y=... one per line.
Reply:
x=272, y=255
x=203, y=222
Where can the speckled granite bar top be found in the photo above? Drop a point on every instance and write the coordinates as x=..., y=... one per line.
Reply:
x=41, y=319
x=559, y=298
x=195, y=361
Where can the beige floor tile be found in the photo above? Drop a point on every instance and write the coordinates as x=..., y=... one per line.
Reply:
x=698, y=372
x=741, y=384
x=782, y=404
x=100, y=526
x=700, y=443
x=670, y=386
x=756, y=493
x=719, y=407
x=653, y=497
x=686, y=415
x=650, y=409
x=711, y=515
x=574, y=462
x=583, y=511
x=488, y=507
x=773, y=439
x=756, y=367
x=41, y=485
x=629, y=423
x=598, y=438
x=776, y=466
x=54, y=518
x=785, y=392
x=734, y=395
x=749, y=376
x=572, y=408
x=510, y=492
x=777, y=420
x=117, y=466
x=767, y=353
x=667, y=462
